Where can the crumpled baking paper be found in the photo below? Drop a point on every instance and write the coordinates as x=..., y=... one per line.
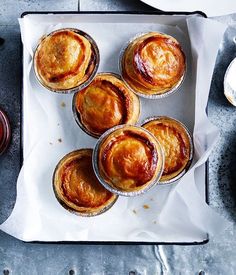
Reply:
x=169, y=213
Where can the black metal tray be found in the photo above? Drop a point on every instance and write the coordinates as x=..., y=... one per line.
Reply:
x=21, y=153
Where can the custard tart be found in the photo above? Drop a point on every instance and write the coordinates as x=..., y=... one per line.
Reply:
x=176, y=143
x=66, y=60
x=106, y=102
x=128, y=160
x=77, y=188
x=153, y=64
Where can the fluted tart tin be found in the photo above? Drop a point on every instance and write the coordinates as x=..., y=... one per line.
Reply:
x=158, y=94
x=91, y=70
x=165, y=179
x=132, y=159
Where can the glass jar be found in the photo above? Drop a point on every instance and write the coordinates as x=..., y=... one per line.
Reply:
x=5, y=132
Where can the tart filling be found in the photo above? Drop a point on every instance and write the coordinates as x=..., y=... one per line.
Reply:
x=176, y=143
x=76, y=186
x=153, y=64
x=105, y=103
x=65, y=59
x=130, y=160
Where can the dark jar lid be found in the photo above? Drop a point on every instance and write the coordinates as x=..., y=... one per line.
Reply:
x=5, y=132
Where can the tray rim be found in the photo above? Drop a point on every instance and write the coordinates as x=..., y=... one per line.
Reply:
x=157, y=12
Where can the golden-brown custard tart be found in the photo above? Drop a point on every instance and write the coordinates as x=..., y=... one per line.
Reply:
x=176, y=143
x=128, y=160
x=76, y=186
x=106, y=102
x=153, y=64
x=66, y=60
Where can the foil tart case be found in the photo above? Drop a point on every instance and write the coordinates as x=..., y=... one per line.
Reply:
x=182, y=173
x=109, y=187
x=152, y=96
x=82, y=85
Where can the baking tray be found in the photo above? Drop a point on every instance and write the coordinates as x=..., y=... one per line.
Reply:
x=22, y=126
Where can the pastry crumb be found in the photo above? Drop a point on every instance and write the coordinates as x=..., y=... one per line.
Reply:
x=145, y=206
x=63, y=104
x=59, y=140
x=134, y=211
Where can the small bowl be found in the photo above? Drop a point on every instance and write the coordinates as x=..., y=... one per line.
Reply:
x=156, y=153
x=157, y=95
x=189, y=138
x=5, y=132
x=132, y=120
x=69, y=198
x=230, y=83
x=95, y=59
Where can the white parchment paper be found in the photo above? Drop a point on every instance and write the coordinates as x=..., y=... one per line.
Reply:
x=175, y=213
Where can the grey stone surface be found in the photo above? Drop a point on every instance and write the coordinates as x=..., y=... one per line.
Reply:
x=216, y=257
x=10, y=94
x=223, y=115
x=10, y=10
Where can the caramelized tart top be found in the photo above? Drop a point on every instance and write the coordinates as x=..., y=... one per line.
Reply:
x=153, y=63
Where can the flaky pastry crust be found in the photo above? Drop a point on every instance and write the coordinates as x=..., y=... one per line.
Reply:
x=76, y=186
x=105, y=103
x=153, y=63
